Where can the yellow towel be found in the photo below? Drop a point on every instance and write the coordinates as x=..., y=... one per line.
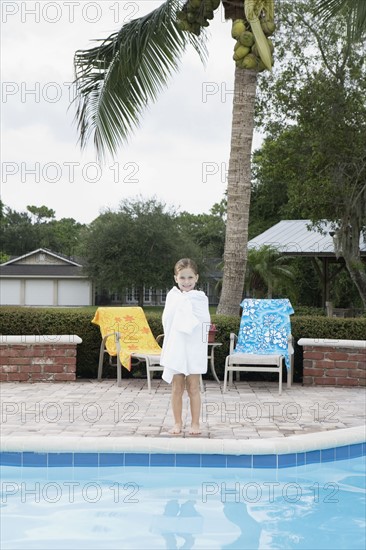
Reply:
x=131, y=323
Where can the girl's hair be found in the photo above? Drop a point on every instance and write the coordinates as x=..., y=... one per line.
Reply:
x=183, y=264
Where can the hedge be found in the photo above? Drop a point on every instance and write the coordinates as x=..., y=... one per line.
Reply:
x=22, y=320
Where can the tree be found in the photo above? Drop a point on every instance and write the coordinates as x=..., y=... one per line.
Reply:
x=21, y=234
x=328, y=9
x=269, y=195
x=206, y=230
x=316, y=144
x=114, y=82
x=136, y=246
x=41, y=213
x=267, y=268
x=64, y=236
x=17, y=234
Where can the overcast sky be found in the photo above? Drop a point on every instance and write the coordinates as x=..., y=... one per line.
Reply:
x=180, y=152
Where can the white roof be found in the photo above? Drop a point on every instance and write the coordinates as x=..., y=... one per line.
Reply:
x=294, y=238
x=47, y=252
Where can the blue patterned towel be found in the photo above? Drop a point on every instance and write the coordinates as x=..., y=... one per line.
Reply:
x=264, y=327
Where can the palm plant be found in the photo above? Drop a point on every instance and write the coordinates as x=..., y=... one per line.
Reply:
x=267, y=267
x=117, y=78
x=331, y=8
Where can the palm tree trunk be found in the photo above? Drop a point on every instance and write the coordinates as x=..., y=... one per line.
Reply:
x=238, y=192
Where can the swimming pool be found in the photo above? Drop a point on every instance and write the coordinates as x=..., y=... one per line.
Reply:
x=110, y=507
x=141, y=493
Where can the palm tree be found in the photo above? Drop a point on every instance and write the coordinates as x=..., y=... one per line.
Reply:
x=327, y=9
x=266, y=267
x=116, y=79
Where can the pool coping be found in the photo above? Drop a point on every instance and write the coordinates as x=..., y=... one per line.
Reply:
x=194, y=445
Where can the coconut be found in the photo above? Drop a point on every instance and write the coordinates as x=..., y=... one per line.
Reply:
x=237, y=28
x=246, y=38
x=268, y=27
x=255, y=50
x=249, y=61
x=241, y=52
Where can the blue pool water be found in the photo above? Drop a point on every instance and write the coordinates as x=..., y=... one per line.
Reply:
x=316, y=505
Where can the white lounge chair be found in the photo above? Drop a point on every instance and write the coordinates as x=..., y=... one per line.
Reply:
x=264, y=342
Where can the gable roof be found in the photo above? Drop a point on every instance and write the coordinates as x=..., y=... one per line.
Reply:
x=46, y=264
x=294, y=238
x=54, y=255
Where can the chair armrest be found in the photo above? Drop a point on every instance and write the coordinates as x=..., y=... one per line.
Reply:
x=290, y=344
x=233, y=340
x=116, y=335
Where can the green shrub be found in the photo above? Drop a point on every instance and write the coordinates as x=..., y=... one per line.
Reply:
x=22, y=320
x=329, y=327
x=308, y=310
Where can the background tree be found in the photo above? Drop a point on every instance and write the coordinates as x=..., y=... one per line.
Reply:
x=267, y=270
x=272, y=174
x=17, y=234
x=22, y=232
x=65, y=236
x=41, y=213
x=135, y=247
x=206, y=230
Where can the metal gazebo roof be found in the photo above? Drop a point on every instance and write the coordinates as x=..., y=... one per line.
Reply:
x=296, y=238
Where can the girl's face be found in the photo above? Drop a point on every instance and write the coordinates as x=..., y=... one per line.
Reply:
x=186, y=279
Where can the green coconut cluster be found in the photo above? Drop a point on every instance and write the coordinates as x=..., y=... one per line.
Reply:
x=246, y=54
x=196, y=14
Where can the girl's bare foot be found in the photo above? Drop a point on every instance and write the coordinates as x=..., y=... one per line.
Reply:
x=195, y=430
x=176, y=430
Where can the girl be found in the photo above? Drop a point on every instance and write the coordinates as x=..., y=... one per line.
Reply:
x=186, y=319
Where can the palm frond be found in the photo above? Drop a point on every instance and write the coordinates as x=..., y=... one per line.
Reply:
x=115, y=80
x=356, y=8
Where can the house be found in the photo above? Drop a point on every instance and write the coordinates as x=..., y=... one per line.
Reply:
x=44, y=278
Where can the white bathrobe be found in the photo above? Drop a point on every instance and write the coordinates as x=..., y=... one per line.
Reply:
x=186, y=321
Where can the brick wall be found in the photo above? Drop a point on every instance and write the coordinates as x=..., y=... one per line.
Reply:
x=334, y=366
x=38, y=361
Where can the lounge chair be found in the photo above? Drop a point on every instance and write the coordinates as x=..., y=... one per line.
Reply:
x=264, y=342
x=127, y=336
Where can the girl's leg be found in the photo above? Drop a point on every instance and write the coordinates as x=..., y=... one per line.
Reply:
x=193, y=388
x=178, y=384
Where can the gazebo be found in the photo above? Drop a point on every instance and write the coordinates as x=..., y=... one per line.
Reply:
x=298, y=238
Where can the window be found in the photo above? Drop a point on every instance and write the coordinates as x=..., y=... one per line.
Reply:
x=132, y=295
